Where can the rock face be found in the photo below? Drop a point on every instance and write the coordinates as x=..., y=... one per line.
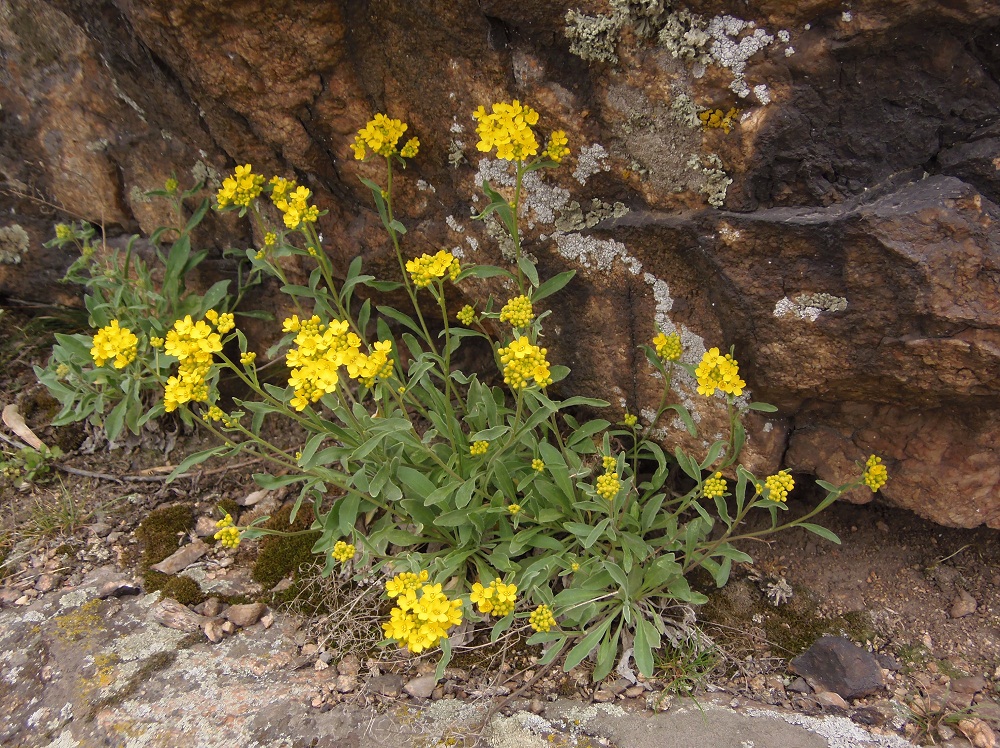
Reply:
x=837, y=665
x=842, y=235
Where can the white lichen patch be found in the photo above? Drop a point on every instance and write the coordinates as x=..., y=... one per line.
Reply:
x=454, y=225
x=151, y=639
x=734, y=42
x=763, y=93
x=596, y=254
x=13, y=244
x=76, y=598
x=424, y=186
x=590, y=160
x=809, y=307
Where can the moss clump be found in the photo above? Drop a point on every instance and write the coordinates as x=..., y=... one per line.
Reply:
x=159, y=531
x=791, y=628
x=182, y=589
x=229, y=507
x=281, y=556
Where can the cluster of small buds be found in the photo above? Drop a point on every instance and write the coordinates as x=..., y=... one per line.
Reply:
x=608, y=484
x=514, y=509
x=479, y=448
x=668, y=347
x=630, y=420
x=248, y=358
x=541, y=618
x=779, y=485
x=714, y=486
x=466, y=315
x=517, y=312
x=537, y=464
x=227, y=535
x=875, y=475
x=343, y=552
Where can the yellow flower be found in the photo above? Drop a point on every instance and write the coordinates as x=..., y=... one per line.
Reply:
x=575, y=566
x=517, y=312
x=64, y=232
x=508, y=129
x=668, y=347
x=875, y=475
x=291, y=324
x=226, y=323
x=114, y=342
x=514, y=509
x=537, y=464
x=608, y=485
x=170, y=185
x=610, y=464
x=212, y=316
x=479, y=448
x=466, y=315
x=248, y=358
x=381, y=135
x=556, y=148
x=405, y=581
x=193, y=343
x=226, y=521
x=423, y=614
x=343, y=552
x=260, y=255
x=240, y=189
x=496, y=598
x=779, y=485
x=424, y=269
x=293, y=203
x=319, y=352
x=541, y=618
x=714, y=486
x=523, y=361
x=630, y=420
x=718, y=371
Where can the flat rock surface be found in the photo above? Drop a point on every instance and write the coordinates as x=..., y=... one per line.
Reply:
x=82, y=671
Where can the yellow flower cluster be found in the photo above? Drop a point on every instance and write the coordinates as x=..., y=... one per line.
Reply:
x=114, y=342
x=496, y=598
x=716, y=118
x=609, y=463
x=270, y=238
x=240, y=189
x=227, y=535
x=557, y=149
x=479, y=448
x=381, y=135
x=423, y=613
x=608, y=485
x=630, y=420
x=668, y=347
x=517, y=312
x=523, y=361
x=718, y=371
x=193, y=343
x=410, y=148
x=248, y=358
x=223, y=322
x=156, y=342
x=343, y=552
x=875, y=475
x=714, y=486
x=779, y=485
x=541, y=618
x=64, y=232
x=466, y=315
x=426, y=268
x=508, y=129
x=514, y=509
x=537, y=464
x=170, y=185
x=320, y=350
x=293, y=202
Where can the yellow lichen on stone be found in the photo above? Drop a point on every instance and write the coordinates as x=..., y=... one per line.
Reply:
x=718, y=119
x=79, y=623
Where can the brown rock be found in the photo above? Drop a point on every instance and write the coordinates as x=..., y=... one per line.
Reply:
x=182, y=558
x=213, y=606
x=345, y=683
x=421, y=687
x=245, y=615
x=213, y=630
x=118, y=587
x=969, y=684
x=173, y=615
x=979, y=733
x=204, y=527
x=963, y=605
x=831, y=699
x=390, y=684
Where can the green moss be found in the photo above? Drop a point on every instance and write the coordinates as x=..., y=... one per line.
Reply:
x=790, y=628
x=182, y=589
x=159, y=532
x=281, y=556
x=229, y=507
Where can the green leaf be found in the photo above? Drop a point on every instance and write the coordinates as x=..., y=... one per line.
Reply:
x=530, y=271
x=115, y=420
x=647, y=638
x=763, y=407
x=553, y=284
x=821, y=531
x=579, y=653
x=196, y=459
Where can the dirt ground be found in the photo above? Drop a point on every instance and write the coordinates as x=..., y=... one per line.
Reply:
x=925, y=598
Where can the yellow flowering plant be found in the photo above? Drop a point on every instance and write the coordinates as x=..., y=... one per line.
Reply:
x=115, y=377
x=489, y=496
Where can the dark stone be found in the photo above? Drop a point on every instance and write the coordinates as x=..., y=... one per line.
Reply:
x=868, y=716
x=837, y=664
x=888, y=662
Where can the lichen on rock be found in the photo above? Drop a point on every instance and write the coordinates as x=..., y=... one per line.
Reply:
x=13, y=244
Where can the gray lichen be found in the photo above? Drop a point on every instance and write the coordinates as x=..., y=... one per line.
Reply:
x=685, y=111
x=13, y=244
x=591, y=160
x=594, y=38
x=572, y=217
x=686, y=37
x=716, y=180
x=808, y=306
